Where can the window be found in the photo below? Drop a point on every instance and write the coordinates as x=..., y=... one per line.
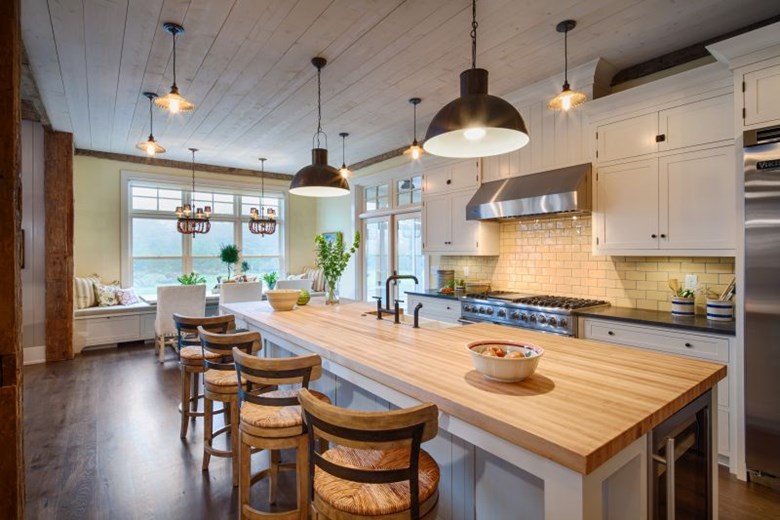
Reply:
x=158, y=254
x=377, y=197
x=409, y=191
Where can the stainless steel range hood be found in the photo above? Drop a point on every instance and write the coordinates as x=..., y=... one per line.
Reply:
x=546, y=194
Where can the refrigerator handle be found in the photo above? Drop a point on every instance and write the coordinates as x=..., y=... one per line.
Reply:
x=668, y=461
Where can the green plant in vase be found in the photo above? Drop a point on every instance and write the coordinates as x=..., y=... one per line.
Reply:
x=332, y=258
x=230, y=255
x=270, y=279
x=192, y=278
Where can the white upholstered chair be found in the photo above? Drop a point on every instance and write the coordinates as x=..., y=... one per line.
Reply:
x=187, y=300
x=240, y=292
x=303, y=284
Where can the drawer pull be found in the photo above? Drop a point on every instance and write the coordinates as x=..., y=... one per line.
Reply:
x=448, y=308
x=689, y=345
x=611, y=333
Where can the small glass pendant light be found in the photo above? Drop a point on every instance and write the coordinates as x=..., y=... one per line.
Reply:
x=344, y=171
x=568, y=98
x=173, y=102
x=414, y=151
x=150, y=146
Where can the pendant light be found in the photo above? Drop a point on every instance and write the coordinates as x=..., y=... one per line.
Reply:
x=319, y=179
x=262, y=222
x=150, y=146
x=344, y=171
x=189, y=222
x=173, y=102
x=476, y=124
x=568, y=98
x=414, y=151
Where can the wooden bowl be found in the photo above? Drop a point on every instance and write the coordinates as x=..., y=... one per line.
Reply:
x=503, y=369
x=283, y=299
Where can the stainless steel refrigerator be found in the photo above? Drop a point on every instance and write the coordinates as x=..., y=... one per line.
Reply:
x=762, y=300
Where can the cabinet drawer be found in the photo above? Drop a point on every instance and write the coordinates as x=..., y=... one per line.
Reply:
x=435, y=308
x=147, y=326
x=112, y=329
x=662, y=340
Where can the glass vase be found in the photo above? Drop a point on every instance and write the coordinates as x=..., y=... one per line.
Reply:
x=332, y=291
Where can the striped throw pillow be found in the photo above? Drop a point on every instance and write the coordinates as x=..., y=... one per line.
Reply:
x=84, y=292
x=317, y=277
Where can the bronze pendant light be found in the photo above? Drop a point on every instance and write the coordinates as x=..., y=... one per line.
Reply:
x=414, y=151
x=476, y=124
x=173, y=102
x=319, y=179
x=568, y=98
x=150, y=146
x=262, y=222
x=344, y=171
x=193, y=221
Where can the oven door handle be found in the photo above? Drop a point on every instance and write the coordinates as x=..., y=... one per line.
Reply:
x=466, y=321
x=668, y=461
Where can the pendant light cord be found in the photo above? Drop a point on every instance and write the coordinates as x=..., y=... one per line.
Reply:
x=474, y=26
x=193, y=177
x=566, y=57
x=343, y=155
x=151, y=120
x=173, y=35
x=319, y=105
x=262, y=186
x=414, y=124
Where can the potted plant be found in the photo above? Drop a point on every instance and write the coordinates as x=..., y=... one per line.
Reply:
x=230, y=255
x=332, y=258
x=192, y=278
x=270, y=279
x=683, y=300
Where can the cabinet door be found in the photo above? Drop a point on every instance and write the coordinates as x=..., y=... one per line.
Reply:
x=698, y=199
x=627, y=206
x=465, y=233
x=464, y=174
x=702, y=122
x=627, y=138
x=436, y=180
x=762, y=103
x=491, y=168
x=500, y=167
x=436, y=217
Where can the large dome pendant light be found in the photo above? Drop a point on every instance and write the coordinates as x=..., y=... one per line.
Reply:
x=263, y=221
x=150, y=146
x=414, y=151
x=173, y=102
x=319, y=179
x=568, y=98
x=476, y=124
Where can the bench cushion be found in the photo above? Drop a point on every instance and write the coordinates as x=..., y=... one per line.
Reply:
x=114, y=309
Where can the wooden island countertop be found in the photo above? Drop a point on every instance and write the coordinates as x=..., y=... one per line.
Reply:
x=586, y=402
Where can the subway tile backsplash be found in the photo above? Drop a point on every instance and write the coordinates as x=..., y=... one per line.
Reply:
x=554, y=256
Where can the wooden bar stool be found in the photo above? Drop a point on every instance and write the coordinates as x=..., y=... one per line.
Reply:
x=377, y=469
x=271, y=419
x=221, y=384
x=190, y=355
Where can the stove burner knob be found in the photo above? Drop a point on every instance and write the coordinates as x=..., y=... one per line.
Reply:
x=542, y=320
x=563, y=322
x=515, y=315
x=524, y=317
x=489, y=310
x=552, y=322
x=502, y=313
x=481, y=310
x=533, y=318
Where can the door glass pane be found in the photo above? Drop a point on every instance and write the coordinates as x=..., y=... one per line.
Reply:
x=376, y=257
x=408, y=246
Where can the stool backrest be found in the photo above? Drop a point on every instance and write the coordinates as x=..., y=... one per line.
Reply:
x=189, y=325
x=265, y=374
x=223, y=345
x=406, y=428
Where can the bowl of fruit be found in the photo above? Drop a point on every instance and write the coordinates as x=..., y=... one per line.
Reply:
x=504, y=360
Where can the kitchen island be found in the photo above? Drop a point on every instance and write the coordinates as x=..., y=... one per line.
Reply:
x=569, y=442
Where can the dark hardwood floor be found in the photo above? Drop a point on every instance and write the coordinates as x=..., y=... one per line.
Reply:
x=101, y=441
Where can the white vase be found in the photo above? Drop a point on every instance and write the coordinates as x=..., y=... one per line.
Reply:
x=683, y=307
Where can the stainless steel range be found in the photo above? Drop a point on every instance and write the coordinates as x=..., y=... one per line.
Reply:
x=543, y=313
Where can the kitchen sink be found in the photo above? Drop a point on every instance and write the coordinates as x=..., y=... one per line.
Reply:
x=406, y=319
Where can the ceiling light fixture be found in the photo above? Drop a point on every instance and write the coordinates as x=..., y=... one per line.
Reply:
x=262, y=222
x=476, y=124
x=190, y=223
x=173, y=102
x=150, y=146
x=568, y=98
x=319, y=179
x=414, y=151
x=344, y=171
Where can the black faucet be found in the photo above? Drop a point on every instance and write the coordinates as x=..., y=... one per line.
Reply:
x=378, y=307
x=397, y=311
x=417, y=315
x=396, y=277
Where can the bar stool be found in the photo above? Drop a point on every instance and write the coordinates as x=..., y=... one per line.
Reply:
x=377, y=469
x=221, y=384
x=271, y=419
x=191, y=359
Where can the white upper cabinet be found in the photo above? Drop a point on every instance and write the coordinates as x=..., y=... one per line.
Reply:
x=699, y=123
x=762, y=95
x=627, y=138
x=455, y=176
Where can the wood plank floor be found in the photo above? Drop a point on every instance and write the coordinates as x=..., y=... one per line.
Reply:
x=101, y=441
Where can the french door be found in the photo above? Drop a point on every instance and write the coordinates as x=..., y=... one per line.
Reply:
x=392, y=243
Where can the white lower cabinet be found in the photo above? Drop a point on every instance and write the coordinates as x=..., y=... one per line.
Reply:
x=709, y=347
x=440, y=309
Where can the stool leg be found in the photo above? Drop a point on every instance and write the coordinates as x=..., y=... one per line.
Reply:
x=302, y=476
x=195, y=392
x=244, y=480
x=232, y=405
x=185, y=400
x=208, y=410
x=275, y=458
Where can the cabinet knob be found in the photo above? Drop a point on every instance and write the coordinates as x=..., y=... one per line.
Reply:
x=689, y=345
x=653, y=236
x=610, y=333
x=663, y=235
x=449, y=181
x=660, y=138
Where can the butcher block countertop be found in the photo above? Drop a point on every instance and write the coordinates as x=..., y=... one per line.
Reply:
x=585, y=403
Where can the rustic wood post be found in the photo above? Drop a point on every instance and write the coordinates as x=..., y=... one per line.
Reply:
x=11, y=453
x=58, y=197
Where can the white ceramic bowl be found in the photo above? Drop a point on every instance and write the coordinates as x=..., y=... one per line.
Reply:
x=506, y=370
x=283, y=299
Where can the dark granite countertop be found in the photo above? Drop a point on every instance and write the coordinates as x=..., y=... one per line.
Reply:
x=661, y=318
x=434, y=293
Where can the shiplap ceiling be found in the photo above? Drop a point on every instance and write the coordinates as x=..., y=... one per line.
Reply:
x=246, y=64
